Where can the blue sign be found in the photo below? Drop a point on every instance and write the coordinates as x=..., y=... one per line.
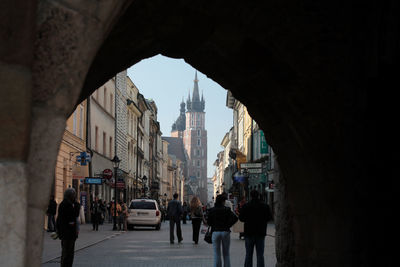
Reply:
x=240, y=178
x=93, y=180
x=84, y=200
x=83, y=158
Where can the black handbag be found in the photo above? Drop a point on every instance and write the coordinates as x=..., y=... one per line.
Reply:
x=208, y=236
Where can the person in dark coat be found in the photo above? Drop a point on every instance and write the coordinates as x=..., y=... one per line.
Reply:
x=96, y=210
x=67, y=226
x=185, y=212
x=174, y=212
x=221, y=219
x=51, y=213
x=197, y=216
x=255, y=215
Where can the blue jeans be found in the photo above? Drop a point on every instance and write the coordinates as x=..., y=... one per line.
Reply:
x=224, y=239
x=259, y=243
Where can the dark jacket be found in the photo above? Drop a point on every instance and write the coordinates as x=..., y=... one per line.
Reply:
x=174, y=209
x=255, y=216
x=52, y=208
x=221, y=218
x=96, y=207
x=67, y=227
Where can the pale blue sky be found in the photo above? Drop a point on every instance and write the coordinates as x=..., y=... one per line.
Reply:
x=167, y=81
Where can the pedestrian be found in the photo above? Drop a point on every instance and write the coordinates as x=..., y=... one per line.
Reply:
x=196, y=211
x=109, y=211
x=221, y=219
x=185, y=212
x=255, y=215
x=240, y=205
x=104, y=211
x=174, y=211
x=228, y=203
x=115, y=212
x=51, y=213
x=123, y=214
x=95, y=210
x=67, y=226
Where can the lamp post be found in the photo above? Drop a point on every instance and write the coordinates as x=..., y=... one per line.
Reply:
x=115, y=161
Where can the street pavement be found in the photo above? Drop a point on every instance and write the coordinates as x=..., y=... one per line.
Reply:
x=146, y=247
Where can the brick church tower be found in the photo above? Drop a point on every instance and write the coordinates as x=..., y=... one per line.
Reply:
x=190, y=126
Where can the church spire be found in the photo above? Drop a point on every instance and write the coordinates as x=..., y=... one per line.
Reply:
x=196, y=95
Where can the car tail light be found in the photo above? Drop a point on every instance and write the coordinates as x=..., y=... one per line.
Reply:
x=157, y=212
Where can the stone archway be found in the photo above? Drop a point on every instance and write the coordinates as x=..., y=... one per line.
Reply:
x=306, y=72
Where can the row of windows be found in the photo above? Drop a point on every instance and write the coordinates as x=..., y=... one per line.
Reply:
x=196, y=163
x=78, y=121
x=110, y=106
x=109, y=144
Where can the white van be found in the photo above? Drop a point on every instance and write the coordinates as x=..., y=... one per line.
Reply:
x=144, y=212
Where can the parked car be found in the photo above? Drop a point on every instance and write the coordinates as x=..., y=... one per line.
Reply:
x=144, y=212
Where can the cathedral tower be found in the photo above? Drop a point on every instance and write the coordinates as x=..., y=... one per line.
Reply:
x=195, y=142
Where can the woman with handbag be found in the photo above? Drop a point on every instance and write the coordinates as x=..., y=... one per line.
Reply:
x=221, y=219
x=197, y=216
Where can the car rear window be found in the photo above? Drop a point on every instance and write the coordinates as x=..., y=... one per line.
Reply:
x=143, y=205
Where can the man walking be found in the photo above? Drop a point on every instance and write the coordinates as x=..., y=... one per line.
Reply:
x=255, y=216
x=67, y=226
x=95, y=210
x=51, y=213
x=174, y=212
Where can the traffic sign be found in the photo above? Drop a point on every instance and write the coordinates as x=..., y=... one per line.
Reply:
x=107, y=174
x=93, y=180
x=250, y=165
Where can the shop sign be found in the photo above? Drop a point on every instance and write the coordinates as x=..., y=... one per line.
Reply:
x=79, y=172
x=263, y=143
x=84, y=200
x=120, y=185
x=254, y=170
x=251, y=165
x=240, y=178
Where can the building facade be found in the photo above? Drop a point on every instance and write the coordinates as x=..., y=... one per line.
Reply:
x=69, y=171
x=247, y=162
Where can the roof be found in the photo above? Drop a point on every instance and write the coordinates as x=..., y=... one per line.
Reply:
x=175, y=147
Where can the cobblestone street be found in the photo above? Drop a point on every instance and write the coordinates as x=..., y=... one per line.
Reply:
x=147, y=247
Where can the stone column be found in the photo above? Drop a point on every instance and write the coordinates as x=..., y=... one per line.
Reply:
x=69, y=34
x=16, y=49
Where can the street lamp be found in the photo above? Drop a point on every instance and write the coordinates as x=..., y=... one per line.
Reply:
x=115, y=161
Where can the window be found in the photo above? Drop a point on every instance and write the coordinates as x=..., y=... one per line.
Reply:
x=104, y=144
x=111, y=103
x=198, y=163
x=198, y=142
x=81, y=121
x=74, y=126
x=96, y=138
x=110, y=147
x=105, y=97
x=198, y=132
x=143, y=205
x=197, y=152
